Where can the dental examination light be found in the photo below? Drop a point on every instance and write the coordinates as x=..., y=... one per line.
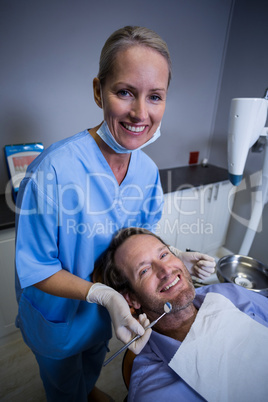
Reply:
x=246, y=125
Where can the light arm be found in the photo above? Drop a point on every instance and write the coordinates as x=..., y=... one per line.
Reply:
x=246, y=123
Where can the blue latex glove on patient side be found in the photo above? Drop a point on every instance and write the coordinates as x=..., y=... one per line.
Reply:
x=125, y=326
x=198, y=264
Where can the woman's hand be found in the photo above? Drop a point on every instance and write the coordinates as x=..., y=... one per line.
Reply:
x=124, y=324
x=198, y=264
x=137, y=346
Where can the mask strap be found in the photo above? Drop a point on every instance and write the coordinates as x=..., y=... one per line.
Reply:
x=101, y=97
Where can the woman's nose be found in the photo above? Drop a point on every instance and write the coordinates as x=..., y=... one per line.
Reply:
x=139, y=110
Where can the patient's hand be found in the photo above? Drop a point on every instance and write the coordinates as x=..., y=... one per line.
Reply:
x=198, y=264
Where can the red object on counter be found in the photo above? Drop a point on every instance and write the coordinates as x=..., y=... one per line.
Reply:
x=193, y=158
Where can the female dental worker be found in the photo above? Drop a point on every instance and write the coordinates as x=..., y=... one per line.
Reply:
x=75, y=196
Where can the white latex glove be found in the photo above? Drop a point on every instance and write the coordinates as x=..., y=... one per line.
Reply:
x=125, y=326
x=138, y=345
x=198, y=264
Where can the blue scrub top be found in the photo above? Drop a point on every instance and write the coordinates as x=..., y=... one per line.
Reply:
x=68, y=208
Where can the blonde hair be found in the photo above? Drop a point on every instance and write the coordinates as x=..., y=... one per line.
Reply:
x=124, y=38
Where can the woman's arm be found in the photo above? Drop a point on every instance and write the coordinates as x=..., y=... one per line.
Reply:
x=65, y=284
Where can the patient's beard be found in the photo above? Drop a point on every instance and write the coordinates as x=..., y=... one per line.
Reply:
x=154, y=306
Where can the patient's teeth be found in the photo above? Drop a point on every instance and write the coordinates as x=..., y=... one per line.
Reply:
x=172, y=284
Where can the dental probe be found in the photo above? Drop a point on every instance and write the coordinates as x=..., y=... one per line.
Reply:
x=167, y=309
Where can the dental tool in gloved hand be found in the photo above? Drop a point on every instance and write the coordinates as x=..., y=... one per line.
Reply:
x=167, y=309
x=123, y=322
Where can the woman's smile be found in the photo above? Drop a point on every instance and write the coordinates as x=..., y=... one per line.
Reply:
x=133, y=129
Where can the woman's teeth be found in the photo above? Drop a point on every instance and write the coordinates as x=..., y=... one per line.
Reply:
x=171, y=284
x=134, y=129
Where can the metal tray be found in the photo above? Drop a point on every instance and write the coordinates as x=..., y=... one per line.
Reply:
x=244, y=271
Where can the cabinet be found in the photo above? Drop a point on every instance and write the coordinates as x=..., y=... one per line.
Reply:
x=197, y=217
x=8, y=303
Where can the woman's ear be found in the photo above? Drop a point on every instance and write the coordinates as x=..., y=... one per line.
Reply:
x=132, y=301
x=97, y=92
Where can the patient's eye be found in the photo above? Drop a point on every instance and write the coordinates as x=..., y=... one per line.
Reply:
x=164, y=254
x=143, y=271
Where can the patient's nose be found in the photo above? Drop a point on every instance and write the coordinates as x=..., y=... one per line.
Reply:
x=162, y=269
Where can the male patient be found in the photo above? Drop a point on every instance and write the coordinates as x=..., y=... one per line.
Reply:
x=211, y=346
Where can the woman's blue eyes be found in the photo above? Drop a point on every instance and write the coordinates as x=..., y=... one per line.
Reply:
x=124, y=93
x=155, y=98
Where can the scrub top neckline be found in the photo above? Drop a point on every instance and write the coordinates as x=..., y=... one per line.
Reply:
x=131, y=166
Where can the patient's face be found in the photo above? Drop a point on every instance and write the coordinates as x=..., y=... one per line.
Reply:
x=156, y=275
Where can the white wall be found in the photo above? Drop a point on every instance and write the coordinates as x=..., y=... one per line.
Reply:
x=49, y=56
x=245, y=74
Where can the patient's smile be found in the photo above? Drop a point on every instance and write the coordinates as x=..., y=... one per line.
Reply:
x=176, y=280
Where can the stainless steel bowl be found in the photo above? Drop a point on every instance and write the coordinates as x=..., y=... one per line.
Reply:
x=244, y=271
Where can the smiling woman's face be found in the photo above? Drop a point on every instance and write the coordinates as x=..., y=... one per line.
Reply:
x=133, y=97
x=156, y=275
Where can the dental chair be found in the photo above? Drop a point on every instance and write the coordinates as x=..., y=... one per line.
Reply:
x=127, y=363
